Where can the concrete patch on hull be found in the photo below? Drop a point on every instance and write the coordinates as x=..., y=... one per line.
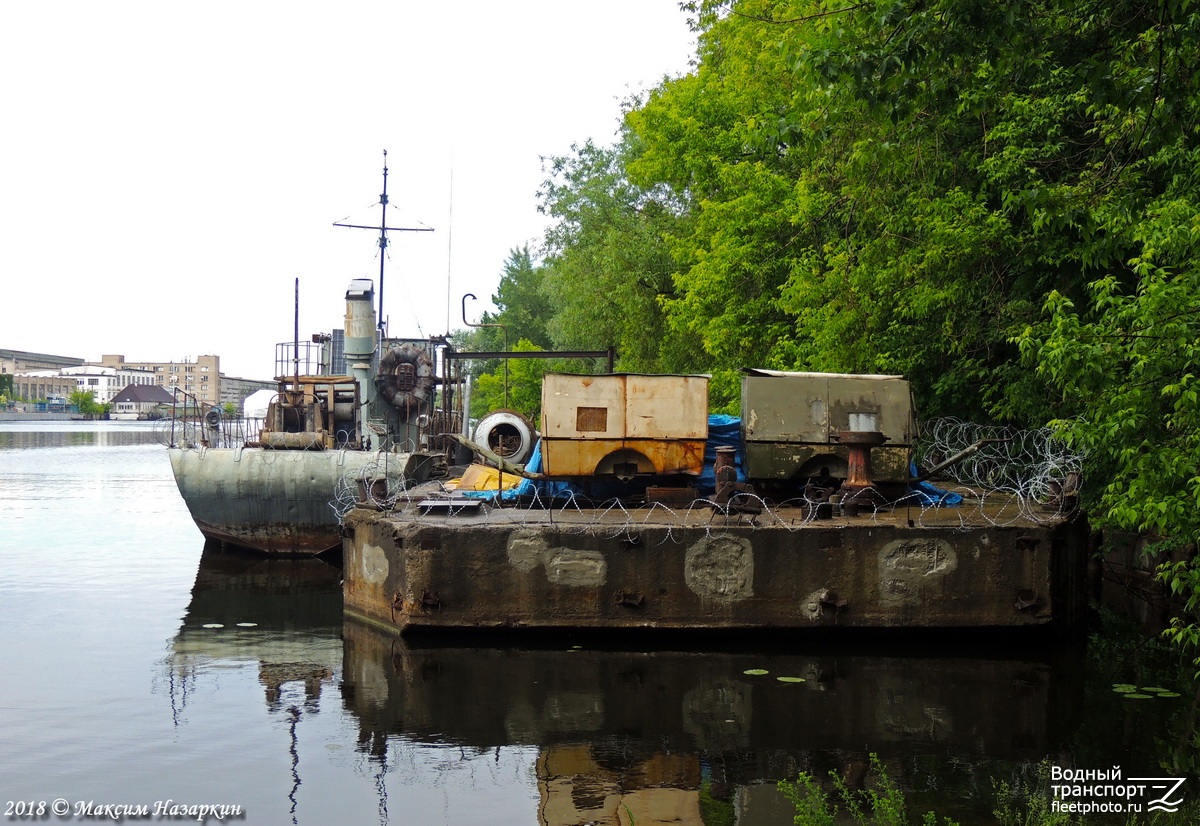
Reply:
x=720, y=567
x=525, y=549
x=580, y=568
x=812, y=604
x=374, y=564
x=564, y=566
x=907, y=565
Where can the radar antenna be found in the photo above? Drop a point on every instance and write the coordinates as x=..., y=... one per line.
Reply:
x=383, y=229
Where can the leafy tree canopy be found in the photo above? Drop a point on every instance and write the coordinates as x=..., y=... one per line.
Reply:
x=997, y=199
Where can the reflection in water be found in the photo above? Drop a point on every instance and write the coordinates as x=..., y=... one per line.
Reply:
x=100, y=563
x=610, y=736
x=284, y=615
x=659, y=736
x=29, y=435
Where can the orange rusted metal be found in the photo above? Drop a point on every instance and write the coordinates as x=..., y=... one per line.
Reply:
x=623, y=425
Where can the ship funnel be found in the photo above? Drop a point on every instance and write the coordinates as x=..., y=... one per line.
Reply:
x=360, y=321
x=360, y=335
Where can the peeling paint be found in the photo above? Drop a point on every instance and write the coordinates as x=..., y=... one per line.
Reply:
x=564, y=566
x=720, y=567
x=812, y=604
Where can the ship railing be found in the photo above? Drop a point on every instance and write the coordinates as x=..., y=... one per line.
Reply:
x=198, y=424
x=304, y=358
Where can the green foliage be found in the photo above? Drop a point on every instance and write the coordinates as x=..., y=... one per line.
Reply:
x=881, y=803
x=85, y=402
x=515, y=387
x=1028, y=804
x=998, y=200
x=521, y=297
x=713, y=810
x=608, y=267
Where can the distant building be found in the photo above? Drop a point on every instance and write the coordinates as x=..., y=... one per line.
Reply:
x=141, y=401
x=103, y=382
x=17, y=363
x=200, y=379
x=22, y=361
x=38, y=376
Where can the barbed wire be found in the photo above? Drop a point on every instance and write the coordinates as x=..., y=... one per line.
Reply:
x=379, y=484
x=1010, y=476
x=1035, y=464
x=627, y=521
x=1014, y=476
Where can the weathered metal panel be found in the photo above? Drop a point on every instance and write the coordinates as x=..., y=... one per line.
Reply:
x=623, y=424
x=666, y=407
x=810, y=407
x=789, y=420
x=563, y=395
x=563, y=457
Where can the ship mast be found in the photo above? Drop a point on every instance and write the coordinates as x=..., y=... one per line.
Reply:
x=383, y=229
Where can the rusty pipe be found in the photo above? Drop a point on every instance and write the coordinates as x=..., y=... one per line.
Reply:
x=958, y=457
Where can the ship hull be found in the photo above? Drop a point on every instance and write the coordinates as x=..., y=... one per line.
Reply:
x=277, y=502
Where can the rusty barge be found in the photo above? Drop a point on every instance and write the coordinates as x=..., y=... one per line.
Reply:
x=805, y=519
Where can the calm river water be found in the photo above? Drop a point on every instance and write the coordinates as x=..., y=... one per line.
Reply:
x=140, y=669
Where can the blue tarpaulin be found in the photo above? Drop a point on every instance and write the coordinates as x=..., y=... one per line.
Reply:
x=931, y=496
x=723, y=431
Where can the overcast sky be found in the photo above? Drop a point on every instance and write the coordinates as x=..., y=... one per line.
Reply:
x=169, y=169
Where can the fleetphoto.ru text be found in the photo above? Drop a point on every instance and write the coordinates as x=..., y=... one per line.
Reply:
x=1105, y=791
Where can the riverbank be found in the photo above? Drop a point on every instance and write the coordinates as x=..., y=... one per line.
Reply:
x=13, y=416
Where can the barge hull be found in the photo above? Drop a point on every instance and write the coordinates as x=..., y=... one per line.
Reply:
x=485, y=571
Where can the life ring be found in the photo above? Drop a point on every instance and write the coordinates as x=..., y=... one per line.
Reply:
x=405, y=378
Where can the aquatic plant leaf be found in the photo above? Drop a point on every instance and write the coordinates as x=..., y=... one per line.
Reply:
x=1124, y=687
x=1136, y=696
x=756, y=672
x=790, y=679
x=214, y=625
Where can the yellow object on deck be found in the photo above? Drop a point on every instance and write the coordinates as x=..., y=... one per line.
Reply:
x=482, y=477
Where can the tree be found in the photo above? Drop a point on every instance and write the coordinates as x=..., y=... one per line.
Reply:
x=523, y=313
x=609, y=270
x=519, y=388
x=85, y=402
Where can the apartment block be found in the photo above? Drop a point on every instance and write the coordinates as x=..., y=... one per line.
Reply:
x=200, y=378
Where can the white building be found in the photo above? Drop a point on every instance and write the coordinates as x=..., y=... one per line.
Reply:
x=104, y=382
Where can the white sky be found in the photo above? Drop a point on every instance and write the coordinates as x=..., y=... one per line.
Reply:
x=168, y=169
